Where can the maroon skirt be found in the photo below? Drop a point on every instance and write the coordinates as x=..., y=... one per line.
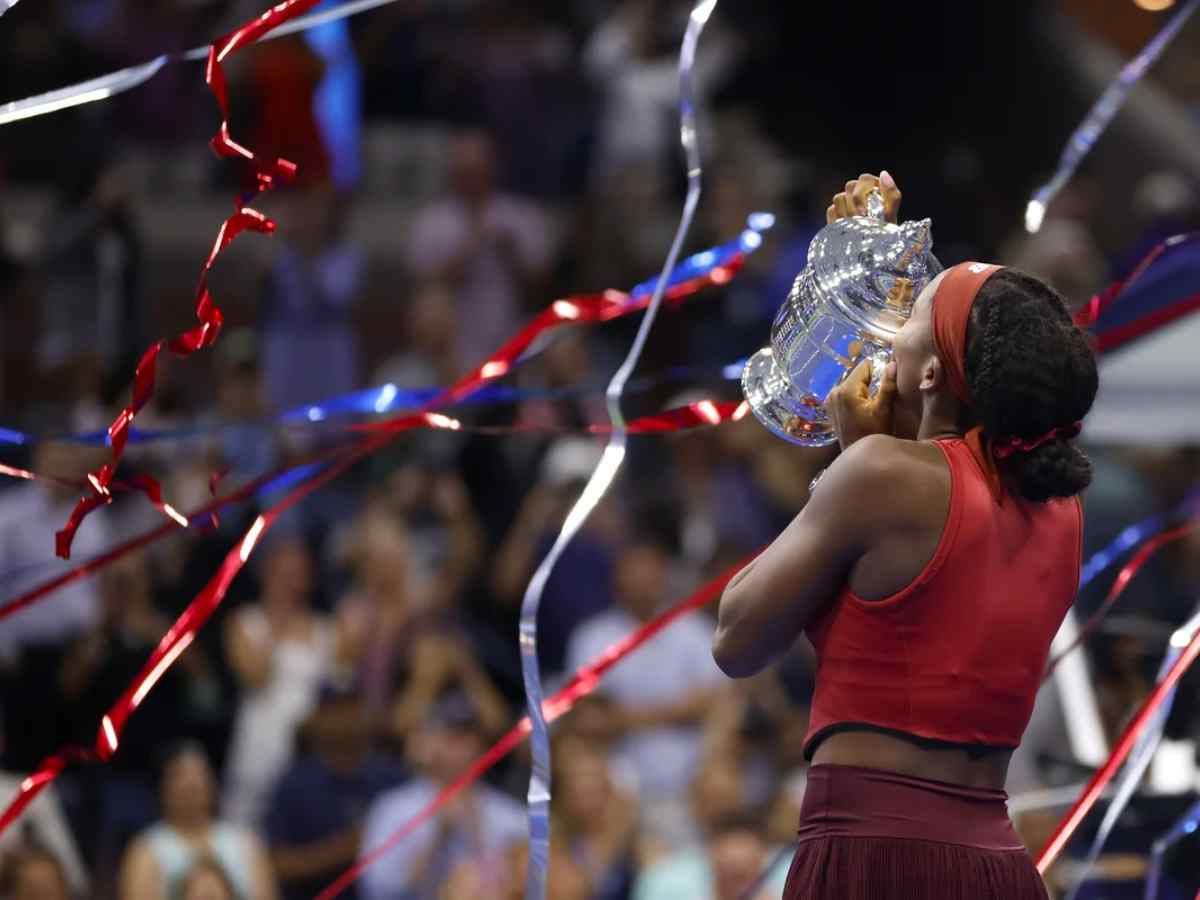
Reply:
x=872, y=835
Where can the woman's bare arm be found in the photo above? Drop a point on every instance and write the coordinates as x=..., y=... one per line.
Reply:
x=767, y=604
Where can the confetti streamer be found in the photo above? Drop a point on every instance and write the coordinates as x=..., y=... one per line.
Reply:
x=609, y=305
x=1147, y=549
x=1185, y=825
x=1141, y=757
x=694, y=273
x=1125, y=744
x=1157, y=307
x=538, y=797
x=1100, y=117
x=207, y=313
x=123, y=80
x=1091, y=312
x=717, y=265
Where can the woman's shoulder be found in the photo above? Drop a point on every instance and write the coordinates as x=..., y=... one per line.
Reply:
x=893, y=464
x=893, y=479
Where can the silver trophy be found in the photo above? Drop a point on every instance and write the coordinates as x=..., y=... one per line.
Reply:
x=845, y=306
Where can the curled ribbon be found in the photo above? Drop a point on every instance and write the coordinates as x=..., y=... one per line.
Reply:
x=207, y=313
x=693, y=274
x=716, y=265
x=610, y=305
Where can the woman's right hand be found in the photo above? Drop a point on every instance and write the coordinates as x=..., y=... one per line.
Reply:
x=853, y=200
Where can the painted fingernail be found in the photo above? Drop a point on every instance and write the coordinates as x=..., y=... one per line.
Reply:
x=886, y=178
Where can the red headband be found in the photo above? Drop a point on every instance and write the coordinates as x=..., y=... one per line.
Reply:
x=951, y=313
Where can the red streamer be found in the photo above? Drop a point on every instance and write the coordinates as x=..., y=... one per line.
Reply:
x=553, y=316
x=207, y=313
x=1128, y=571
x=1105, y=774
x=610, y=305
x=582, y=683
x=1120, y=335
x=1094, y=308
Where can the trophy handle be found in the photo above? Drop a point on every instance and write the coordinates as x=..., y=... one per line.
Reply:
x=875, y=206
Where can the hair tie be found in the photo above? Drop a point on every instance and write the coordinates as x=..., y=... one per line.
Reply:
x=1008, y=446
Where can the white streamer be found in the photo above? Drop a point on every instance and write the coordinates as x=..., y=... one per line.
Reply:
x=78, y=94
x=601, y=478
x=126, y=79
x=1100, y=116
x=1141, y=756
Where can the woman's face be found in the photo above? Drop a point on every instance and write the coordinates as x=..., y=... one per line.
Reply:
x=913, y=347
x=586, y=786
x=187, y=787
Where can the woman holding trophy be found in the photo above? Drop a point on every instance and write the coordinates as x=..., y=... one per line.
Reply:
x=936, y=558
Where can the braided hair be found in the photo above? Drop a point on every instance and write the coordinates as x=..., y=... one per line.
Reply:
x=1030, y=370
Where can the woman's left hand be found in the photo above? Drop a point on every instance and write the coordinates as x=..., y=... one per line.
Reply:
x=855, y=412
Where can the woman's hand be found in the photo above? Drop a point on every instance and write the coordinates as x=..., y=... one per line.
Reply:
x=855, y=412
x=853, y=200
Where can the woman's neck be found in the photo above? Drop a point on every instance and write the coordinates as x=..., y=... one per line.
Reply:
x=941, y=417
x=192, y=828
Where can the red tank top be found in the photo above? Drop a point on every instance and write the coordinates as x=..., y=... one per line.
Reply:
x=958, y=655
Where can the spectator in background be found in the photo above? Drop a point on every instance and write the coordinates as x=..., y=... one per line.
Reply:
x=410, y=651
x=1065, y=254
x=158, y=862
x=428, y=359
x=93, y=305
x=595, y=822
x=737, y=854
x=118, y=801
x=310, y=346
x=42, y=826
x=444, y=533
x=319, y=806
x=243, y=449
x=471, y=881
x=280, y=650
x=661, y=694
x=490, y=248
x=581, y=585
x=34, y=874
x=478, y=825
x=735, y=857
x=30, y=516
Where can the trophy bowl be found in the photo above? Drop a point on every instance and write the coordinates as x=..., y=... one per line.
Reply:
x=845, y=306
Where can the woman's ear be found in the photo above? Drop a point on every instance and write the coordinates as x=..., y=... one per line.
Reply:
x=932, y=374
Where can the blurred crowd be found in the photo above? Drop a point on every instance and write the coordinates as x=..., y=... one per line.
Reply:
x=462, y=164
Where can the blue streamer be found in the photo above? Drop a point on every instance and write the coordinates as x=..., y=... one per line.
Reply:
x=1186, y=824
x=1133, y=536
x=389, y=398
